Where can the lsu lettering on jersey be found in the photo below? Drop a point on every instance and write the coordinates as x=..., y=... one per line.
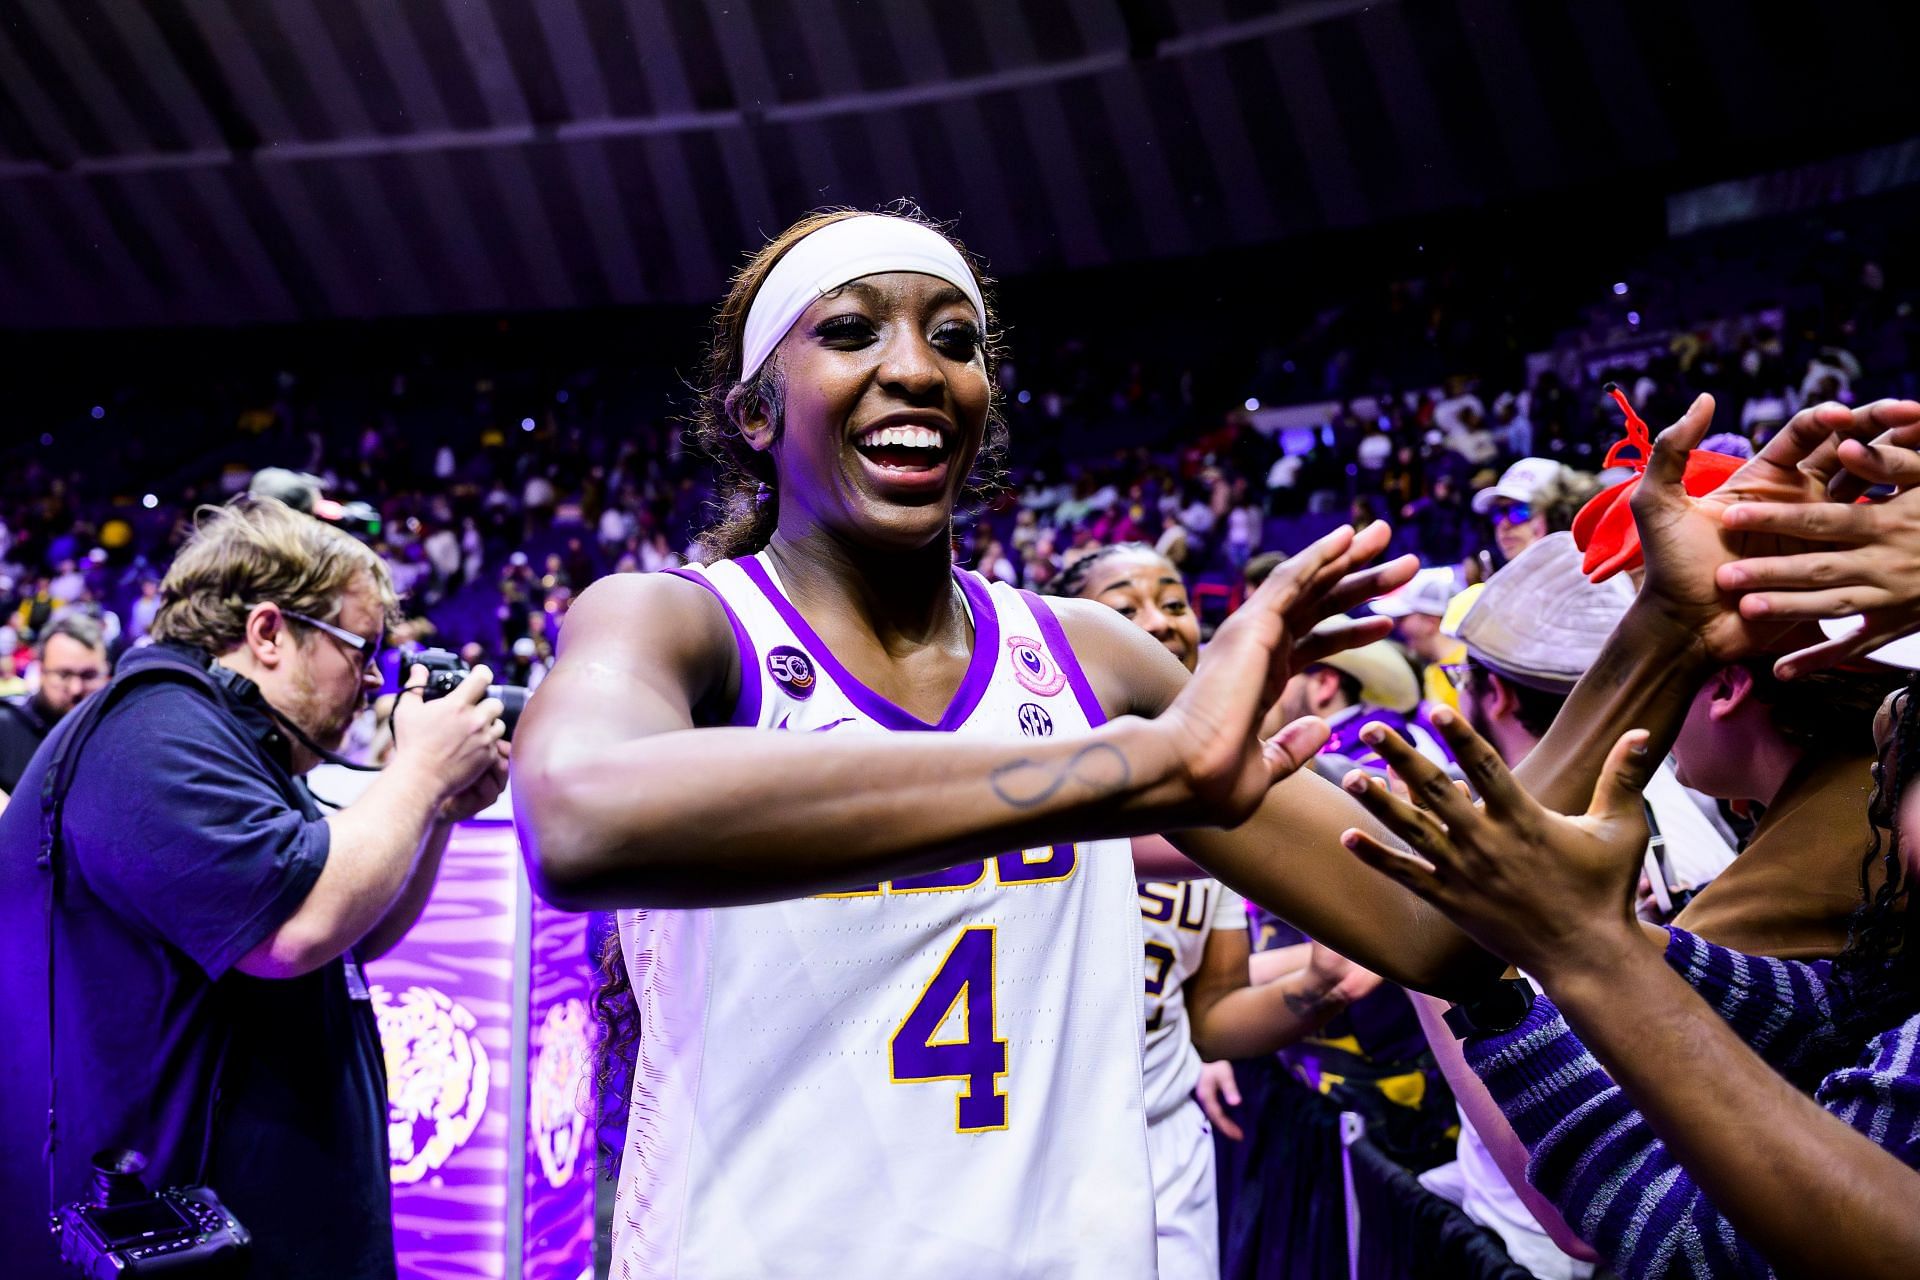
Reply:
x=1176, y=920
x=937, y=1076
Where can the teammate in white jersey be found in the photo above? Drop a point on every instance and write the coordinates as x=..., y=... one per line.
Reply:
x=1199, y=1004
x=887, y=1082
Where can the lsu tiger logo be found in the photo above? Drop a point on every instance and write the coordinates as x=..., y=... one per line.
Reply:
x=437, y=1077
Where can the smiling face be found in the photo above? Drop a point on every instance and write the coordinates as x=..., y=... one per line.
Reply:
x=1147, y=590
x=883, y=404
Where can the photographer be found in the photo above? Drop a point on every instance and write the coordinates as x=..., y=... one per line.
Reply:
x=208, y=926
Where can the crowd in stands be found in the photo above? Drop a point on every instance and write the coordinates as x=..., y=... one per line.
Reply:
x=498, y=492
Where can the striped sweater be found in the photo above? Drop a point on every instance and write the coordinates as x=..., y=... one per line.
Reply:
x=1597, y=1159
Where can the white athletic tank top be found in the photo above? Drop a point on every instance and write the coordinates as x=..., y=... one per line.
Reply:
x=933, y=1077
x=1176, y=920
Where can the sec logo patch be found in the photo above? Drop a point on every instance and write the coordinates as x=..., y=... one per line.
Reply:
x=1034, y=720
x=792, y=670
x=1036, y=672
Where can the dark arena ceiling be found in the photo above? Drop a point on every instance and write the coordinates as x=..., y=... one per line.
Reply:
x=245, y=161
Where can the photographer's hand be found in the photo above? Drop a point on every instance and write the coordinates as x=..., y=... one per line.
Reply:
x=451, y=744
x=477, y=796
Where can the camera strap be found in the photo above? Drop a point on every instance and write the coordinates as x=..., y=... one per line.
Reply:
x=331, y=757
x=54, y=786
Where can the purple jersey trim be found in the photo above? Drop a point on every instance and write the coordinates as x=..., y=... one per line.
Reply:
x=1063, y=654
x=746, y=705
x=973, y=686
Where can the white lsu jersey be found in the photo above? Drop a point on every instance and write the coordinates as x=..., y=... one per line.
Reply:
x=934, y=1076
x=1176, y=921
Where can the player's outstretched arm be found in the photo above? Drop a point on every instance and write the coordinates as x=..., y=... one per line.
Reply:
x=622, y=801
x=1287, y=854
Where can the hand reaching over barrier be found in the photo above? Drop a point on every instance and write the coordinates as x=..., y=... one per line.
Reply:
x=1856, y=557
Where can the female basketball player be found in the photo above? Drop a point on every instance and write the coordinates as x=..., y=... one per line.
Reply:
x=1198, y=1001
x=877, y=931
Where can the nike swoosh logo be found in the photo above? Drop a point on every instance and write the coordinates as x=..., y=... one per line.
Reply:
x=821, y=729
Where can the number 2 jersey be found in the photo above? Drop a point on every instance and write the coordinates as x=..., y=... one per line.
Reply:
x=935, y=1076
x=1177, y=918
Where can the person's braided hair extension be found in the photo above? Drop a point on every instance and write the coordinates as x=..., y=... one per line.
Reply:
x=1879, y=972
x=746, y=509
x=616, y=1039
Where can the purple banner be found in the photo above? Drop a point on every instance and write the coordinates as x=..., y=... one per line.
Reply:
x=444, y=997
x=559, y=1166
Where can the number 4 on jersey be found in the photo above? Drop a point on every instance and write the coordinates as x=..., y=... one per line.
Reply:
x=949, y=1034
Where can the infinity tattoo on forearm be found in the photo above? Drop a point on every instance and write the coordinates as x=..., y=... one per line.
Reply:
x=1100, y=767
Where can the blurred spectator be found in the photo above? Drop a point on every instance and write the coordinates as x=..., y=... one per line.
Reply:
x=140, y=616
x=1353, y=689
x=1417, y=610
x=1517, y=504
x=71, y=660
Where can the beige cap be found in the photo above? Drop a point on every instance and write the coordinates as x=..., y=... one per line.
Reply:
x=1539, y=621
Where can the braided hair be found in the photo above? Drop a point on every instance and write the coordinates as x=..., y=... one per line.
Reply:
x=1879, y=971
x=1073, y=579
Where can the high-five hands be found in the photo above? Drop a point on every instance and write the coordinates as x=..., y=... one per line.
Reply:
x=1857, y=557
x=1539, y=889
x=1223, y=767
x=1686, y=541
x=1743, y=569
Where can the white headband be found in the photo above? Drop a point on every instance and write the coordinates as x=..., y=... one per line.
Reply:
x=838, y=253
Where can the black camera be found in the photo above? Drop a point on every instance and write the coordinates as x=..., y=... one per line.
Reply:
x=445, y=671
x=127, y=1230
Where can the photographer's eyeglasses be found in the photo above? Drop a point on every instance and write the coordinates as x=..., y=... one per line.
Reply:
x=368, y=651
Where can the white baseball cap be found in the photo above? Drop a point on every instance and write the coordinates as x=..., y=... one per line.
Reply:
x=1428, y=592
x=1524, y=481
